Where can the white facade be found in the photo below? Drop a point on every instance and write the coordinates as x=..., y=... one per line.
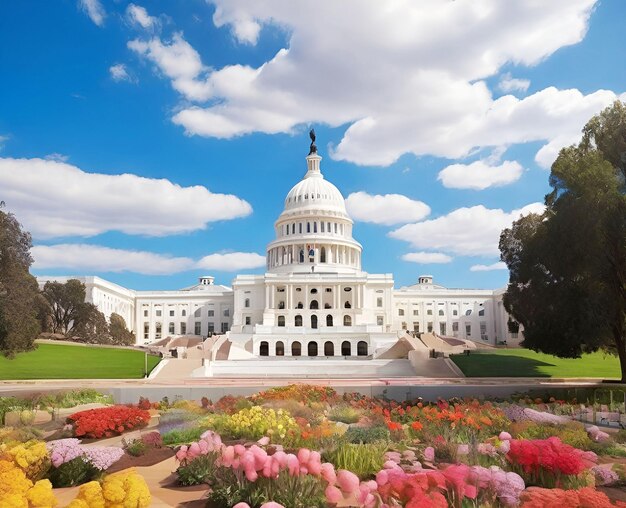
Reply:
x=313, y=300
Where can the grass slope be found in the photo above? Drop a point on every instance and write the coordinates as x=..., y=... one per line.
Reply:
x=526, y=363
x=52, y=361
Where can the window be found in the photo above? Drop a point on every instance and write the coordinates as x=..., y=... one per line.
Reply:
x=281, y=320
x=296, y=349
x=308, y=227
x=300, y=228
x=416, y=326
x=301, y=257
x=455, y=312
x=246, y=303
x=379, y=302
x=429, y=327
x=468, y=312
x=196, y=313
x=314, y=321
x=146, y=331
x=183, y=312
x=248, y=320
x=400, y=312
x=361, y=348
x=171, y=313
x=327, y=306
x=416, y=312
x=157, y=334
x=280, y=348
x=145, y=313
x=455, y=327
x=347, y=305
x=347, y=321
x=211, y=313
x=380, y=320
x=468, y=329
x=329, y=320
x=314, y=304
x=293, y=229
x=329, y=348
x=224, y=327
x=298, y=320
x=299, y=306
x=211, y=328
x=346, y=348
x=335, y=228
x=315, y=227
x=429, y=312
x=347, y=290
x=323, y=254
x=313, y=291
x=322, y=227
x=197, y=330
x=483, y=330
x=404, y=325
x=281, y=305
x=226, y=312
x=312, y=348
x=183, y=328
x=329, y=290
x=442, y=328
x=481, y=312
x=171, y=328
x=264, y=348
x=158, y=313
x=441, y=312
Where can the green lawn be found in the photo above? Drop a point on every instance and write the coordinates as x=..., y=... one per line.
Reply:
x=52, y=361
x=526, y=363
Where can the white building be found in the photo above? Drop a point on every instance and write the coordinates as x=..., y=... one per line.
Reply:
x=313, y=300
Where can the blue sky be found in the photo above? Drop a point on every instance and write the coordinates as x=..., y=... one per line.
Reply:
x=438, y=121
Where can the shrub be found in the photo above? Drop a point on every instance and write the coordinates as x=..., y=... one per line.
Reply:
x=573, y=434
x=17, y=490
x=13, y=404
x=344, y=414
x=303, y=393
x=31, y=457
x=135, y=447
x=182, y=436
x=364, y=460
x=620, y=436
x=366, y=435
x=197, y=470
x=256, y=422
x=107, y=421
x=73, y=472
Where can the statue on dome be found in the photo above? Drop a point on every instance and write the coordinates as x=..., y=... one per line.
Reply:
x=313, y=146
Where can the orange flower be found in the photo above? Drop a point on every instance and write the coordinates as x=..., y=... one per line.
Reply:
x=417, y=426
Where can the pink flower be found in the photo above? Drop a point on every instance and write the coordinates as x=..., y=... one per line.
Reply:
x=429, y=454
x=272, y=504
x=293, y=465
x=264, y=441
x=242, y=505
x=333, y=494
x=303, y=455
x=504, y=436
x=348, y=482
x=382, y=477
x=328, y=472
x=463, y=449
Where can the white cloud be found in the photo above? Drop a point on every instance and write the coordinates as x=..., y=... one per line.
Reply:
x=119, y=73
x=385, y=209
x=426, y=258
x=473, y=231
x=58, y=157
x=55, y=199
x=90, y=258
x=231, y=261
x=426, y=97
x=480, y=175
x=139, y=15
x=488, y=268
x=510, y=84
x=94, y=10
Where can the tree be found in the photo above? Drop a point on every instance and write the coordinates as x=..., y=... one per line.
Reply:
x=91, y=325
x=19, y=326
x=567, y=283
x=120, y=335
x=65, y=300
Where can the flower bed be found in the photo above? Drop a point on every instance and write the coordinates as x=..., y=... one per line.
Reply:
x=107, y=421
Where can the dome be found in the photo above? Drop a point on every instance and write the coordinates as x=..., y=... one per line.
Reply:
x=313, y=192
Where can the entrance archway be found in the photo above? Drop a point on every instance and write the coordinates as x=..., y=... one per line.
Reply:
x=264, y=349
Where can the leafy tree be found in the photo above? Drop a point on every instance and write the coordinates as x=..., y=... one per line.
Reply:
x=567, y=283
x=91, y=325
x=120, y=335
x=19, y=326
x=66, y=301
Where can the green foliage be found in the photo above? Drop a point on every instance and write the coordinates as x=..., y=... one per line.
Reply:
x=608, y=449
x=366, y=435
x=92, y=326
x=13, y=404
x=568, y=265
x=73, y=398
x=344, y=414
x=364, y=460
x=183, y=436
x=198, y=470
x=120, y=335
x=135, y=447
x=19, y=323
x=65, y=301
x=74, y=472
x=620, y=436
x=573, y=434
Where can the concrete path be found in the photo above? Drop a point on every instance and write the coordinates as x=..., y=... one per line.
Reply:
x=177, y=368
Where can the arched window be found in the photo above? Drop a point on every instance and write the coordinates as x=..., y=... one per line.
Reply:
x=314, y=321
x=300, y=227
x=347, y=305
x=298, y=320
x=314, y=304
x=308, y=227
x=329, y=348
x=347, y=321
x=264, y=348
x=346, y=348
x=314, y=291
x=315, y=227
x=312, y=348
x=322, y=227
x=293, y=228
x=440, y=312
x=329, y=320
x=299, y=306
x=247, y=302
x=281, y=320
x=296, y=349
x=361, y=348
x=280, y=348
x=323, y=253
x=301, y=255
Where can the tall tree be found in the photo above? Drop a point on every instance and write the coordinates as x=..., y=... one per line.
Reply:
x=91, y=326
x=65, y=300
x=19, y=326
x=120, y=335
x=567, y=283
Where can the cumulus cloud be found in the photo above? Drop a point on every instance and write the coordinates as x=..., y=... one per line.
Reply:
x=118, y=72
x=427, y=258
x=385, y=209
x=473, y=231
x=232, y=261
x=508, y=83
x=59, y=157
x=480, y=175
x=425, y=97
x=93, y=9
x=488, y=268
x=90, y=258
x=139, y=15
x=55, y=199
